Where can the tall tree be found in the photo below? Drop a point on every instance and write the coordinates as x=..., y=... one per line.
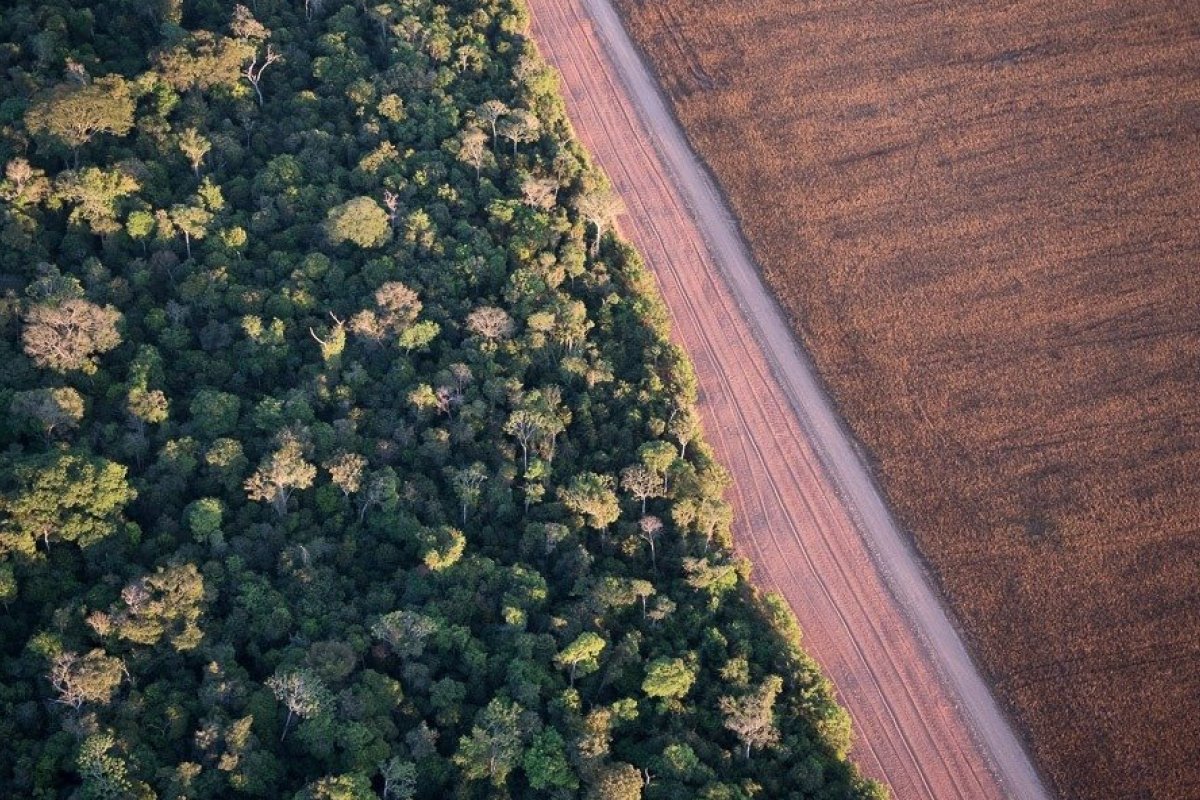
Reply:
x=58, y=409
x=472, y=149
x=491, y=112
x=360, y=221
x=399, y=779
x=66, y=497
x=346, y=471
x=192, y=220
x=668, y=678
x=73, y=114
x=468, y=484
x=752, y=716
x=519, y=127
x=641, y=483
x=491, y=324
x=90, y=678
x=592, y=496
x=493, y=748
x=95, y=193
x=67, y=335
x=581, y=653
x=545, y=763
x=526, y=425
x=302, y=693
x=280, y=474
x=104, y=773
x=600, y=207
x=617, y=781
x=194, y=146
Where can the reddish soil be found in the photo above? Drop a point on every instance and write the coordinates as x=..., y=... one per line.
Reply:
x=807, y=510
x=983, y=220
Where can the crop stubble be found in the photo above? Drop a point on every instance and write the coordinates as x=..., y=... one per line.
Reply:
x=982, y=219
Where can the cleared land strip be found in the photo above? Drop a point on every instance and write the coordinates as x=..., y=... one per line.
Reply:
x=808, y=513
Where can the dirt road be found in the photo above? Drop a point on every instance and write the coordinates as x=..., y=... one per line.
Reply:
x=807, y=510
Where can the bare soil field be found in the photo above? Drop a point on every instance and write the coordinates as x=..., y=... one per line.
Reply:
x=983, y=221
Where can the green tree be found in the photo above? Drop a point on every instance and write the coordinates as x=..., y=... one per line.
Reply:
x=493, y=748
x=169, y=603
x=399, y=779
x=66, y=497
x=418, y=336
x=339, y=787
x=105, y=775
x=58, y=409
x=203, y=60
x=204, y=518
x=545, y=763
x=582, y=654
x=668, y=678
x=360, y=221
x=592, y=496
x=139, y=225
x=441, y=546
x=405, y=632
x=96, y=193
x=658, y=456
x=73, y=114
x=684, y=425
x=8, y=583
x=192, y=221
x=149, y=406
x=214, y=414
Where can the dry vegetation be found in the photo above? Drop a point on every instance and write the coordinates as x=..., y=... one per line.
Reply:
x=983, y=220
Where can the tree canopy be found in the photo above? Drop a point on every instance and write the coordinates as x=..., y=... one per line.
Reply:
x=345, y=450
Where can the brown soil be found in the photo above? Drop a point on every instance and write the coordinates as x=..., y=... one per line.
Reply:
x=806, y=509
x=982, y=219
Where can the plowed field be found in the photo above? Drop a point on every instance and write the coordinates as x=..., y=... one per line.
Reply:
x=982, y=219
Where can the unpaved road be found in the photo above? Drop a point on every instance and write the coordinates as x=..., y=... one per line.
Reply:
x=807, y=510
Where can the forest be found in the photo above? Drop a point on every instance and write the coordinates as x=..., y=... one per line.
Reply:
x=345, y=453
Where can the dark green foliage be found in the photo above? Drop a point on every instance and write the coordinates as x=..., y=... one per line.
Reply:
x=323, y=499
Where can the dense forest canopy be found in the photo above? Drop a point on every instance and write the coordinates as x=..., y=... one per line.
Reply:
x=345, y=454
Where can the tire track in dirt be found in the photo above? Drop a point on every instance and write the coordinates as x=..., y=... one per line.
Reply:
x=796, y=511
